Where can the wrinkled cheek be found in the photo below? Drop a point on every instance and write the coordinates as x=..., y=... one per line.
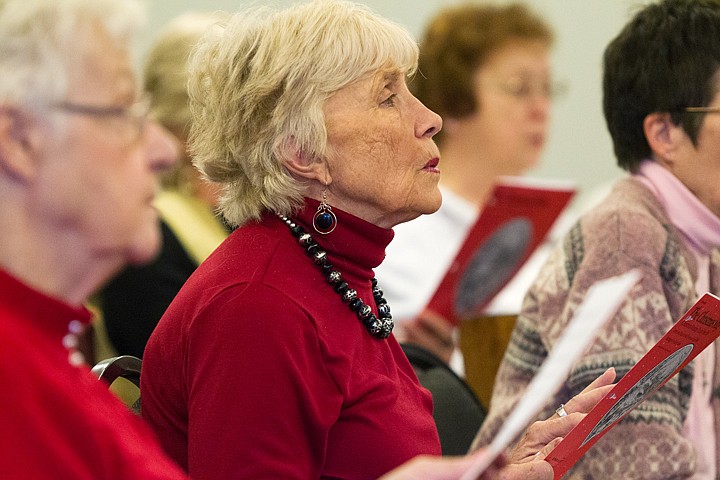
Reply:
x=384, y=149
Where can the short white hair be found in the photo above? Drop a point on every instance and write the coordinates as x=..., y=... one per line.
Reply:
x=39, y=41
x=259, y=85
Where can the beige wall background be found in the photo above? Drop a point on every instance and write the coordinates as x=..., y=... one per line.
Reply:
x=579, y=147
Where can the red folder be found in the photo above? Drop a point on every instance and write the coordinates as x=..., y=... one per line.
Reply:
x=512, y=224
x=695, y=330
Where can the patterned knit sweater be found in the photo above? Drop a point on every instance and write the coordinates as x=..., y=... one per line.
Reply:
x=630, y=229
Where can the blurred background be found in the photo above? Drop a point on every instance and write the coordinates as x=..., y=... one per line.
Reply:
x=579, y=147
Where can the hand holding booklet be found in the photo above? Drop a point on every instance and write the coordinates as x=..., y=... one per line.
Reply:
x=690, y=335
x=695, y=330
x=600, y=304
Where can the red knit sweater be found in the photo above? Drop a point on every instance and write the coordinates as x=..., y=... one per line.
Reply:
x=259, y=370
x=57, y=421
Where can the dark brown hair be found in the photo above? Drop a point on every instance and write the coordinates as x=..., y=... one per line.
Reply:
x=457, y=41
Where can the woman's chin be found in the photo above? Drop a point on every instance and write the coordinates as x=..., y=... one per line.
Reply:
x=427, y=208
x=434, y=203
x=532, y=161
x=146, y=249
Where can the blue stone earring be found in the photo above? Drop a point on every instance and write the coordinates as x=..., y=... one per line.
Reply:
x=324, y=220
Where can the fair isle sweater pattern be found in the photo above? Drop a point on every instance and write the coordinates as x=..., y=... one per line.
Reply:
x=629, y=230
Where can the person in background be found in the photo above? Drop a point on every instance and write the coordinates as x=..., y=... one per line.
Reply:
x=486, y=70
x=276, y=359
x=661, y=98
x=78, y=166
x=133, y=301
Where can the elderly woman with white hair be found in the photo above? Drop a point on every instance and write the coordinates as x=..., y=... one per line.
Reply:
x=276, y=358
x=78, y=165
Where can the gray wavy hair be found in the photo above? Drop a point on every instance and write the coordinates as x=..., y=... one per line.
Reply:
x=39, y=42
x=257, y=89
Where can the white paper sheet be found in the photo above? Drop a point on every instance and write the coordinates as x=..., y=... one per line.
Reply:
x=600, y=304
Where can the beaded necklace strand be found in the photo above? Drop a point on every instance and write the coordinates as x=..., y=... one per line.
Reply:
x=378, y=327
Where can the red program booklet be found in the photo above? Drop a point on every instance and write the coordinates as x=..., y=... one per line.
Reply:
x=512, y=224
x=695, y=330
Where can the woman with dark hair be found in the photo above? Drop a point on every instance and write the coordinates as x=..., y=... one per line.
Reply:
x=661, y=101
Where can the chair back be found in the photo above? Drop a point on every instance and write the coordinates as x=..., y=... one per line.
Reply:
x=128, y=368
x=457, y=411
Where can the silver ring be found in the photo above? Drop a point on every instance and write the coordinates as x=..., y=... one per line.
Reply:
x=561, y=411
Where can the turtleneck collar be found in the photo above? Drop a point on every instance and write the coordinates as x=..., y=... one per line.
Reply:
x=356, y=246
x=47, y=313
x=699, y=226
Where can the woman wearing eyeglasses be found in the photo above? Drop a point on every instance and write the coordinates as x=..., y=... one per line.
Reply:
x=486, y=70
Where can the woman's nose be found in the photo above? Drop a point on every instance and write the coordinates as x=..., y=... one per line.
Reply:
x=429, y=122
x=163, y=149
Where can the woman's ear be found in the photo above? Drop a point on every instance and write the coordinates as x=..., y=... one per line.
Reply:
x=18, y=150
x=663, y=136
x=303, y=164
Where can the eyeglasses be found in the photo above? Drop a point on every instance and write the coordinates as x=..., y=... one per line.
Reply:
x=702, y=109
x=137, y=113
x=525, y=88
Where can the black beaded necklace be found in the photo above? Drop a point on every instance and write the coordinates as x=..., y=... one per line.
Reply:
x=378, y=327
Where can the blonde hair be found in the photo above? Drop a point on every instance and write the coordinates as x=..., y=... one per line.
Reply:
x=257, y=89
x=165, y=78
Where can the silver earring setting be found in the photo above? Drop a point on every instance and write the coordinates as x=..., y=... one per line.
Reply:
x=324, y=220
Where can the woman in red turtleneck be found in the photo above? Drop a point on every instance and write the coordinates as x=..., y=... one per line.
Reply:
x=276, y=359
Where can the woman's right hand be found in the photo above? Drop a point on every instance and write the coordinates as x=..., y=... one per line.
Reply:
x=430, y=331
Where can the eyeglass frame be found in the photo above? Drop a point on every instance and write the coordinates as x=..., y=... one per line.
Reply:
x=527, y=87
x=138, y=113
x=701, y=109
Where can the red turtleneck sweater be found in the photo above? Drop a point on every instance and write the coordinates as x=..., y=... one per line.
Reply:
x=57, y=420
x=259, y=370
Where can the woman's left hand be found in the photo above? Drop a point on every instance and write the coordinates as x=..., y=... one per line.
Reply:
x=542, y=436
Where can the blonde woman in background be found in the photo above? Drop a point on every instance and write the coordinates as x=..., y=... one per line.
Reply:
x=133, y=302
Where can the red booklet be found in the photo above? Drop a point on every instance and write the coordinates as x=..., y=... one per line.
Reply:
x=695, y=330
x=513, y=223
